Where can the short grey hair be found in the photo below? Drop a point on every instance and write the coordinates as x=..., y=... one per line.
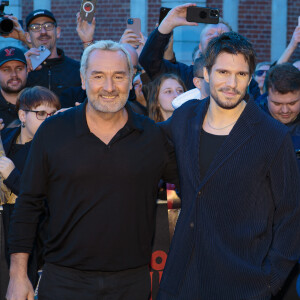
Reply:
x=106, y=45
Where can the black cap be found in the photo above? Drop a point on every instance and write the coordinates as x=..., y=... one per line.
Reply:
x=39, y=13
x=11, y=53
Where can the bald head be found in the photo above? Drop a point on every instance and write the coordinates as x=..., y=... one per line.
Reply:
x=133, y=54
x=209, y=32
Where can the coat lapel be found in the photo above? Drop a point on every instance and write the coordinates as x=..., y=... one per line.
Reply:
x=194, y=128
x=240, y=134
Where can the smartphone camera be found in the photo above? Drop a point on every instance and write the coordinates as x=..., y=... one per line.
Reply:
x=88, y=7
x=42, y=48
x=214, y=13
x=130, y=21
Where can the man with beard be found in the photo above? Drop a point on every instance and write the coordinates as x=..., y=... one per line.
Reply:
x=151, y=58
x=13, y=75
x=58, y=71
x=98, y=165
x=236, y=236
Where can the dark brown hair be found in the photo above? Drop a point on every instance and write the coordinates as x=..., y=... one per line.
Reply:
x=283, y=78
x=33, y=97
x=233, y=43
x=154, y=111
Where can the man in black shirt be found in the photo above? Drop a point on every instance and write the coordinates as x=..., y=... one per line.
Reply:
x=98, y=165
x=13, y=76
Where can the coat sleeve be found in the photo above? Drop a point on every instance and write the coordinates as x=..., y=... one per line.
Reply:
x=152, y=60
x=13, y=181
x=285, y=248
x=30, y=203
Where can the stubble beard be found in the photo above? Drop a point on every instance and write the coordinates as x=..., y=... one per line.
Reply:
x=7, y=89
x=113, y=107
x=227, y=104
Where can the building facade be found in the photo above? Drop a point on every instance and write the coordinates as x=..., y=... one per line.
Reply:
x=268, y=24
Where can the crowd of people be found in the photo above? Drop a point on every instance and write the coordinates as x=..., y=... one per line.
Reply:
x=86, y=146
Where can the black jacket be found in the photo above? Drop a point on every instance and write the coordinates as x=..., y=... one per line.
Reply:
x=9, y=136
x=57, y=74
x=7, y=111
x=152, y=61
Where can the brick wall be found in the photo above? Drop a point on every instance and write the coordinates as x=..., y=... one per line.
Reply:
x=255, y=24
x=293, y=13
x=153, y=14
x=111, y=19
x=254, y=21
x=26, y=9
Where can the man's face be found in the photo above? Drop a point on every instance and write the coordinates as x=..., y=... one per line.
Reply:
x=228, y=80
x=209, y=32
x=43, y=37
x=284, y=107
x=107, y=80
x=13, y=76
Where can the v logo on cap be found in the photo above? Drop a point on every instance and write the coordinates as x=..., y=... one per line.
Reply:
x=9, y=52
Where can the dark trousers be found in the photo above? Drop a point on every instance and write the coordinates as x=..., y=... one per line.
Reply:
x=61, y=283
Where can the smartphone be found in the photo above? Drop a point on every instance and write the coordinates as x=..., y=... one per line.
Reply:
x=36, y=60
x=202, y=15
x=87, y=10
x=134, y=24
x=162, y=13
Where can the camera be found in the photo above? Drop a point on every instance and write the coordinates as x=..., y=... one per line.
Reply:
x=6, y=25
x=130, y=21
x=206, y=15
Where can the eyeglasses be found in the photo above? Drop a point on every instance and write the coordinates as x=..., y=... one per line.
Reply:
x=260, y=72
x=41, y=114
x=38, y=27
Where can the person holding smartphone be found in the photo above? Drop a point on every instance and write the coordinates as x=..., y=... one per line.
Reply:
x=151, y=57
x=58, y=72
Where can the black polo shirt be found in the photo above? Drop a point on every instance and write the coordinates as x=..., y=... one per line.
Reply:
x=101, y=198
x=7, y=111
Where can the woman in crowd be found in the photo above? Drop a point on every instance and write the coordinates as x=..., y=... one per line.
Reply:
x=33, y=106
x=260, y=74
x=164, y=90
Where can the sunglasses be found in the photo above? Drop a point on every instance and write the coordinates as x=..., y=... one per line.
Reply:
x=260, y=72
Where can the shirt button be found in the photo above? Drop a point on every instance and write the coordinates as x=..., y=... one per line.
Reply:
x=192, y=224
x=199, y=193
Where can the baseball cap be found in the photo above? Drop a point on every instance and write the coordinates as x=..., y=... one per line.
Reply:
x=39, y=13
x=11, y=53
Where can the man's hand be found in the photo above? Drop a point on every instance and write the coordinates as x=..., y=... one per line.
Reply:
x=84, y=29
x=176, y=17
x=295, y=40
x=129, y=37
x=18, y=32
x=6, y=166
x=19, y=287
x=32, y=51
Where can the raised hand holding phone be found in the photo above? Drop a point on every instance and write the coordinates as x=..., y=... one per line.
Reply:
x=87, y=10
